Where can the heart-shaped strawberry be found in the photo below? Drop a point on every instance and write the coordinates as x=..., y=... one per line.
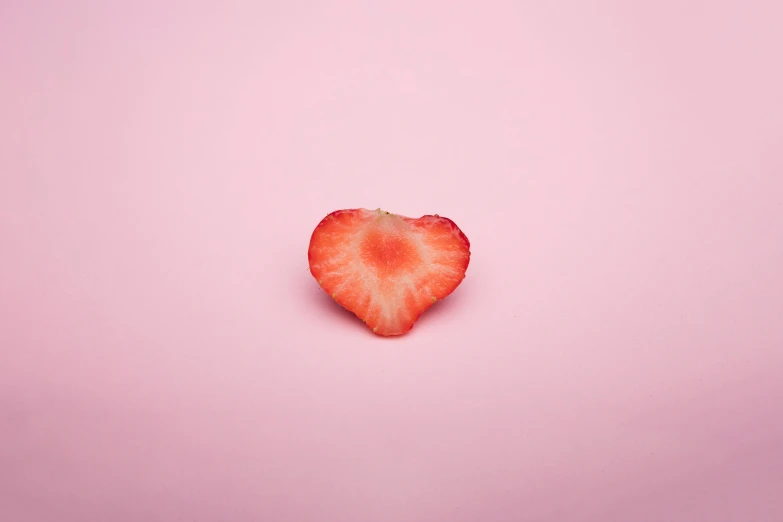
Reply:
x=386, y=268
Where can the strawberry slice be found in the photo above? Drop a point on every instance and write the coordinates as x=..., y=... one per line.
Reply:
x=385, y=268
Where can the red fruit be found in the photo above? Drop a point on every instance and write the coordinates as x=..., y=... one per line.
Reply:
x=387, y=269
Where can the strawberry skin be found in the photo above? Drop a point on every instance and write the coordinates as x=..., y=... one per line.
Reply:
x=386, y=268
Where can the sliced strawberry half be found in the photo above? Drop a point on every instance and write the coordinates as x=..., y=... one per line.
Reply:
x=385, y=268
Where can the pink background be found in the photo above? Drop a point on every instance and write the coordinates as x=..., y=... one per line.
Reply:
x=615, y=353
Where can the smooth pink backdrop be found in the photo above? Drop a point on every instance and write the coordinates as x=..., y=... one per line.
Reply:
x=615, y=353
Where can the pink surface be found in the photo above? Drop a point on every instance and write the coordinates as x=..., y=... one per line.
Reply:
x=615, y=353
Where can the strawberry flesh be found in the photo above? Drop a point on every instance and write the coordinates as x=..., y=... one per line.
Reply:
x=386, y=268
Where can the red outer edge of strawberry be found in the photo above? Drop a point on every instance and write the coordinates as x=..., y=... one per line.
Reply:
x=330, y=214
x=461, y=233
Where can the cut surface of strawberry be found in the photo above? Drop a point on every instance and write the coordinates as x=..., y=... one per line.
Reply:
x=385, y=268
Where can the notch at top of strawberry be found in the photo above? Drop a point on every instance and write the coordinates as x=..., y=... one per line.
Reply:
x=386, y=268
